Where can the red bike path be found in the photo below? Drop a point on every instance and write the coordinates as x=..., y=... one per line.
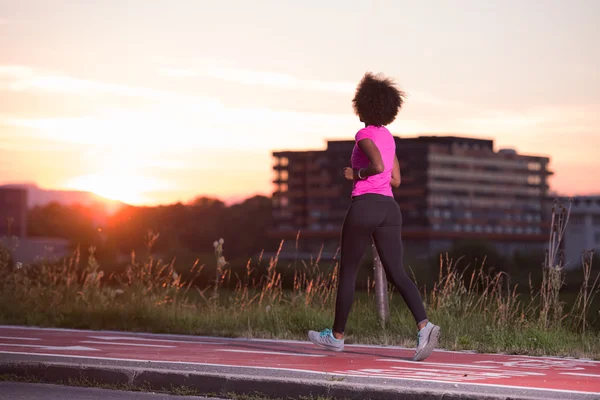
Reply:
x=553, y=374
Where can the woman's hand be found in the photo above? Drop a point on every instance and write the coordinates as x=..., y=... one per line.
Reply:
x=349, y=173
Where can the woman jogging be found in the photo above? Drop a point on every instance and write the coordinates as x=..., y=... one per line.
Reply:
x=374, y=214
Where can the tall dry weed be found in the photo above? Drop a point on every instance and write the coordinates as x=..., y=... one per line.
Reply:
x=551, y=307
x=587, y=292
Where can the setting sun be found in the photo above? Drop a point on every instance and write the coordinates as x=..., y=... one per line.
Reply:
x=117, y=173
x=129, y=189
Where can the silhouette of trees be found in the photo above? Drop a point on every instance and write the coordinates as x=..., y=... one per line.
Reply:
x=183, y=228
x=79, y=224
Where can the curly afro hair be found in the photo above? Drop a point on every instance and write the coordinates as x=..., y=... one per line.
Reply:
x=377, y=100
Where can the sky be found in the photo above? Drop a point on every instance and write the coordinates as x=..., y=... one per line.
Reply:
x=161, y=101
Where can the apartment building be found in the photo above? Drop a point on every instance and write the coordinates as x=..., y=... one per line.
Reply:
x=583, y=228
x=453, y=188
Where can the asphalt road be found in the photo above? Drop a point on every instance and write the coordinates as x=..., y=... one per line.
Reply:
x=34, y=391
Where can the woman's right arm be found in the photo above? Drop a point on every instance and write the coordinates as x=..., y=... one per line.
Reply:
x=396, y=178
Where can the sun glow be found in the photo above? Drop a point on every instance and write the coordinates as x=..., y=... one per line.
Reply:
x=118, y=174
x=121, y=187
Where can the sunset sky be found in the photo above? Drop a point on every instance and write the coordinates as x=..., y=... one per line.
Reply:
x=159, y=101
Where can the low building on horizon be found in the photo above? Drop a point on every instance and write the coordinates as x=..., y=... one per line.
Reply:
x=453, y=189
x=30, y=250
x=582, y=232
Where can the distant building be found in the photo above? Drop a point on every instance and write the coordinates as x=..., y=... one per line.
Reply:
x=453, y=188
x=31, y=249
x=583, y=229
x=13, y=212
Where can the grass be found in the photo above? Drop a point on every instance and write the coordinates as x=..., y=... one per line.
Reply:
x=477, y=311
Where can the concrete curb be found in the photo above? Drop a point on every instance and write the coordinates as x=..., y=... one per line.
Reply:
x=211, y=384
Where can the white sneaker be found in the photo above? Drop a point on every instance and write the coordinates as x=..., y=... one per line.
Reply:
x=427, y=340
x=326, y=340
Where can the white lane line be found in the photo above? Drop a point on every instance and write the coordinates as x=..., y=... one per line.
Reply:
x=271, y=352
x=18, y=338
x=74, y=348
x=583, y=360
x=495, y=373
x=21, y=345
x=141, y=339
x=129, y=344
x=435, y=363
x=580, y=374
x=299, y=370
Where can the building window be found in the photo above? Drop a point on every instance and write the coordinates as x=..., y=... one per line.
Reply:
x=576, y=219
x=284, y=202
x=283, y=175
x=283, y=161
x=534, y=166
x=534, y=179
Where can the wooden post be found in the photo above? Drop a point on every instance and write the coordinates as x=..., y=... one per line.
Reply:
x=381, y=286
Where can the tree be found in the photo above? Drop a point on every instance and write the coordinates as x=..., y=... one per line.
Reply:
x=81, y=225
x=77, y=223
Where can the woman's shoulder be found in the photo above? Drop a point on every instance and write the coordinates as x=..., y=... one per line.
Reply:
x=371, y=132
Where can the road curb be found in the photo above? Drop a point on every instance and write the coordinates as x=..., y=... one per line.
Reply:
x=211, y=384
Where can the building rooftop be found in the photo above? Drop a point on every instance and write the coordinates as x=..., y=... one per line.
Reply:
x=583, y=201
x=469, y=142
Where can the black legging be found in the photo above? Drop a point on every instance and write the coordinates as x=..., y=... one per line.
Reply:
x=373, y=216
